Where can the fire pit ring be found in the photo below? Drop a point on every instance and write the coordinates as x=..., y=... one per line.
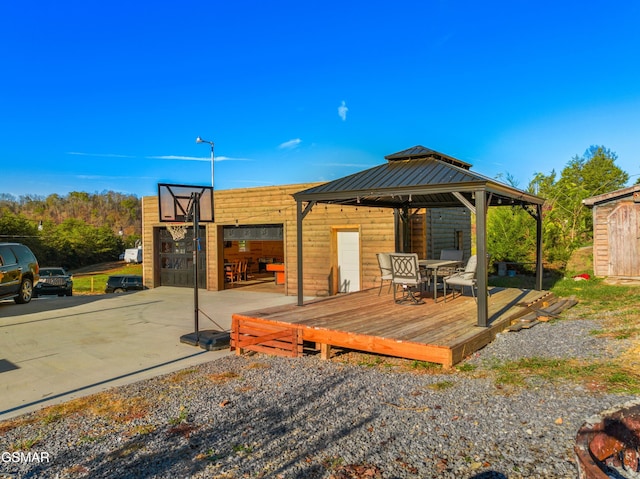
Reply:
x=608, y=444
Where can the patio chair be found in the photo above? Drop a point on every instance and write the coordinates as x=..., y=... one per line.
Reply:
x=465, y=277
x=384, y=262
x=447, y=255
x=406, y=274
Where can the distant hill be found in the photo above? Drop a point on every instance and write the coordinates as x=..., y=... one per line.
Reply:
x=117, y=211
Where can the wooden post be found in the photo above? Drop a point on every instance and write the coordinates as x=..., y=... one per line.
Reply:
x=325, y=351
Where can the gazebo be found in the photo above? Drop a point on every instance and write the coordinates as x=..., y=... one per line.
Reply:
x=418, y=178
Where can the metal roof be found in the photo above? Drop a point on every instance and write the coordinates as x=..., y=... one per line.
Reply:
x=417, y=177
x=420, y=151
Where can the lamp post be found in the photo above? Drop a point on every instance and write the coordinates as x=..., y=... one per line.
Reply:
x=200, y=140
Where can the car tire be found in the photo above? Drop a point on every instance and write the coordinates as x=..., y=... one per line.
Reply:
x=26, y=291
x=69, y=293
x=118, y=290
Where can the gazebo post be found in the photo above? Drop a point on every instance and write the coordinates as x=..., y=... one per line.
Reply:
x=397, y=229
x=481, y=251
x=299, y=218
x=300, y=215
x=539, y=267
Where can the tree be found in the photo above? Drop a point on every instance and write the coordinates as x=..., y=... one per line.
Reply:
x=511, y=234
x=568, y=223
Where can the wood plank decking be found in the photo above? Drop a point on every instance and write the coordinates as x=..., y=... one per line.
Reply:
x=439, y=332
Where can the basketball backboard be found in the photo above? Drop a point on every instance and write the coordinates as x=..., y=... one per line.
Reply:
x=176, y=202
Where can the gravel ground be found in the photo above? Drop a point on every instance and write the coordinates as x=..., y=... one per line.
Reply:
x=260, y=416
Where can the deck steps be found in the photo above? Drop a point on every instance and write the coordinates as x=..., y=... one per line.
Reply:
x=549, y=308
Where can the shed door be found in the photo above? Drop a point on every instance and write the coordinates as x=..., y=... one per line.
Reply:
x=348, y=261
x=624, y=240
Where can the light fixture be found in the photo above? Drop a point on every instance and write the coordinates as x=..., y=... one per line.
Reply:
x=200, y=140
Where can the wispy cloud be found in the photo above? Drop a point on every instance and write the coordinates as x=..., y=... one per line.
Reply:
x=291, y=144
x=350, y=165
x=342, y=110
x=106, y=177
x=195, y=158
x=101, y=155
x=228, y=158
x=178, y=157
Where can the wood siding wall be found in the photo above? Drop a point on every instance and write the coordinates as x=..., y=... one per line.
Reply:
x=430, y=230
x=275, y=205
x=616, y=238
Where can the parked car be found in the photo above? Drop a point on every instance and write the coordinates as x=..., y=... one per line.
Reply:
x=124, y=282
x=19, y=270
x=54, y=281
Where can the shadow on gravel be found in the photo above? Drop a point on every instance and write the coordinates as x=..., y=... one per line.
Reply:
x=237, y=433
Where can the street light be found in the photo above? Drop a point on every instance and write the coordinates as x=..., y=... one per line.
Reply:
x=200, y=140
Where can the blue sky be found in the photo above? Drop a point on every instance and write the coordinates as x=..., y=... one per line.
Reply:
x=99, y=96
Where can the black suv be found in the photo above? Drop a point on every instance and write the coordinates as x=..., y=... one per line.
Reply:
x=19, y=271
x=124, y=282
x=54, y=281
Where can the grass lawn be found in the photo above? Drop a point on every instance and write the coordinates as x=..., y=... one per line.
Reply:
x=94, y=280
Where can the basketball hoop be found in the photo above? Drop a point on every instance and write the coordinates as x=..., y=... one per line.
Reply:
x=178, y=231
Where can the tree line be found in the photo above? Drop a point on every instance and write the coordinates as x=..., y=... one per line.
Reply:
x=72, y=230
x=80, y=229
x=567, y=223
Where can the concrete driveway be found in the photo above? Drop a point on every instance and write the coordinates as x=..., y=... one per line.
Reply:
x=56, y=349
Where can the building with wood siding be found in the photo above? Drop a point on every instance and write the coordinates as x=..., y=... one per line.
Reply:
x=616, y=233
x=258, y=225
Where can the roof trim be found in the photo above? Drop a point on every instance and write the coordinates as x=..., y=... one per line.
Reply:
x=612, y=195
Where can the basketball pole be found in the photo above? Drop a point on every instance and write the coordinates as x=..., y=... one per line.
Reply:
x=195, y=198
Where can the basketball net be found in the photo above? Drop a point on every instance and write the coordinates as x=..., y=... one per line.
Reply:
x=178, y=231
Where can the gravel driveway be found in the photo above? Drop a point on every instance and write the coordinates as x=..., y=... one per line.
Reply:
x=259, y=416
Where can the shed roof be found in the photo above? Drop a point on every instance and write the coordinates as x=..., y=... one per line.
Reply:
x=614, y=195
x=417, y=177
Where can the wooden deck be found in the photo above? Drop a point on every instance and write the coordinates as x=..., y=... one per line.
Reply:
x=439, y=332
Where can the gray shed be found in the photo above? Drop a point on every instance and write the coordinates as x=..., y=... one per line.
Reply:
x=616, y=233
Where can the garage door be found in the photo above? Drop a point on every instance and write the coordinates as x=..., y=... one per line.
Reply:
x=176, y=259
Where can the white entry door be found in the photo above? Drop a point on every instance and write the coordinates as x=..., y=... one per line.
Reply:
x=348, y=261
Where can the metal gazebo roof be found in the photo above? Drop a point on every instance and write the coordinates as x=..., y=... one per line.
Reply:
x=419, y=177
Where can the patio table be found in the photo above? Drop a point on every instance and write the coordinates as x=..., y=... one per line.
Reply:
x=435, y=264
